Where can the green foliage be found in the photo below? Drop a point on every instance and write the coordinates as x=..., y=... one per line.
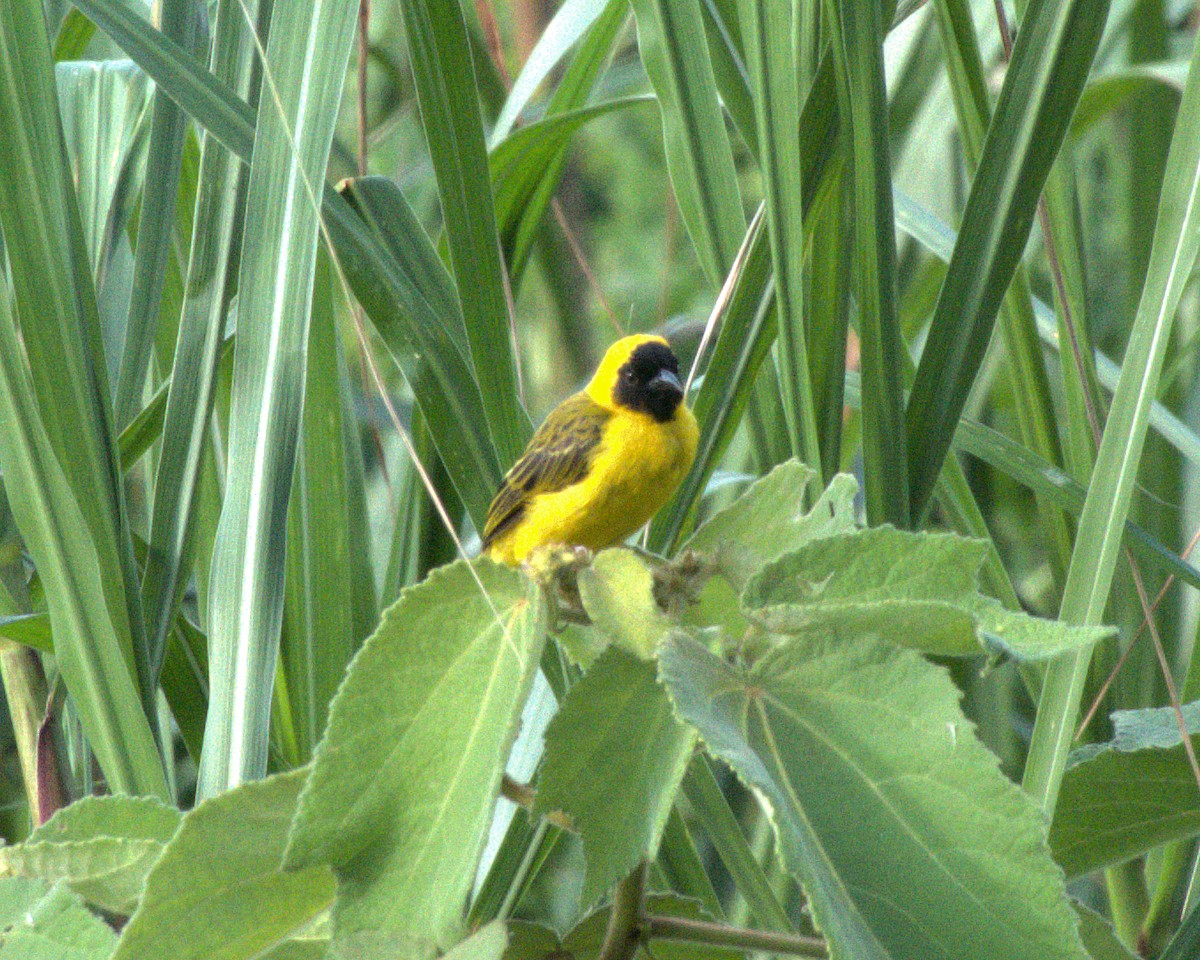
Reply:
x=239, y=404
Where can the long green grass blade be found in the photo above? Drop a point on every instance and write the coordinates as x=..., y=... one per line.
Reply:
x=321, y=632
x=1089, y=579
x=54, y=302
x=1054, y=51
x=185, y=78
x=767, y=35
x=885, y=472
x=93, y=662
x=445, y=80
x=699, y=158
x=180, y=20
x=395, y=272
x=303, y=74
x=187, y=407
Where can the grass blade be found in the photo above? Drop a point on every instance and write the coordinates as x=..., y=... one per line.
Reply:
x=1050, y=64
x=885, y=473
x=303, y=74
x=187, y=407
x=445, y=80
x=180, y=20
x=1089, y=579
x=699, y=159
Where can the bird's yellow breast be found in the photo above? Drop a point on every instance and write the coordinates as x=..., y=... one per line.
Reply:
x=637, y=467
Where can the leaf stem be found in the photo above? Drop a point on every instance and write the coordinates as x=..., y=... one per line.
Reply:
x=624, y=923
x=720, y=935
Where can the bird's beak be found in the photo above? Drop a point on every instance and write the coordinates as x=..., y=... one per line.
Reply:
x=665, y=382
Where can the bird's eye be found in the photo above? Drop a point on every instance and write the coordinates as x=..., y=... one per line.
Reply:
x=630, y=376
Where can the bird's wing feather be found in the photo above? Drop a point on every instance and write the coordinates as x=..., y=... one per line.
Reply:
x=558, y=456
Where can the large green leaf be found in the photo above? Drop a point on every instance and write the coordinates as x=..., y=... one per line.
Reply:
x=918, y=590
x=907, y=838
x=330, y=604
x=41, y=922
x=617, y=717
x=64, y=396
x=186, y=408
x=305, y=59
x=767, y=33
x=102, y=847
x=218, y=892
x=404, y=782
x=1125, y=797
x=181, y=21
x=396, y=275
x=93, y=661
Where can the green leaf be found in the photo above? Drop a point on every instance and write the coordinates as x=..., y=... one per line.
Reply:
x=617, y=718
x=322, y=630
x=205, y=98
x=180, y=21
x=396, y=275
x=106, y=122
x=1102, y=523
x=699, y=158
x=39, y=922
x=62, y=397
x=877, y=788
x=444, y=75
x=404, y=782
x=617, y=590
x=186, y=407
x=767, y=31
x=1107, y=811
x=918, y=590
x=859, y=34
x=102, y=847
x=1049, y=67
x=768, y=520
x=1099, y=937
x=306, y=58
x=570, y=22
x=93, y=661
x=219, y=891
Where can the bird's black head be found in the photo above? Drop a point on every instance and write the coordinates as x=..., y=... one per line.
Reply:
x=649, y=382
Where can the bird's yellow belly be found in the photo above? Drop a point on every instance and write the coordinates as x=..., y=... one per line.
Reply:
x=634, y=473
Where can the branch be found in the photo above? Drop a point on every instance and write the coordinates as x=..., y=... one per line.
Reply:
x=625, y=923
x=720, y=935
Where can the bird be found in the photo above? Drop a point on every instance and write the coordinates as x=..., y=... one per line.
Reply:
x=603, y=461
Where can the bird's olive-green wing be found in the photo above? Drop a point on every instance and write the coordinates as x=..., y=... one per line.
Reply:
x=557, y=457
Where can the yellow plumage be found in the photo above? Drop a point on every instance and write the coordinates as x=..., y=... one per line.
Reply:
x=604, y=460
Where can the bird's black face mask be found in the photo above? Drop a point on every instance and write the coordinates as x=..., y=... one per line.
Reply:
x=649, y=382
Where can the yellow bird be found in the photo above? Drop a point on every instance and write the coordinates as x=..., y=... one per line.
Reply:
x=604, y=460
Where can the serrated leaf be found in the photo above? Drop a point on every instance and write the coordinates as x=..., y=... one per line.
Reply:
x=404, y=782
x=40, y=922
x=102, y=847
x=1127, y=796
x=769, y=519
x=617, y=718
x=919, y=590
x=877, y=787
x=219, y=891
x=617, y=590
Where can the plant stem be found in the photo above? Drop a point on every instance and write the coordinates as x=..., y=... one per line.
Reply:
x=720, y=935
x=624, y=923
